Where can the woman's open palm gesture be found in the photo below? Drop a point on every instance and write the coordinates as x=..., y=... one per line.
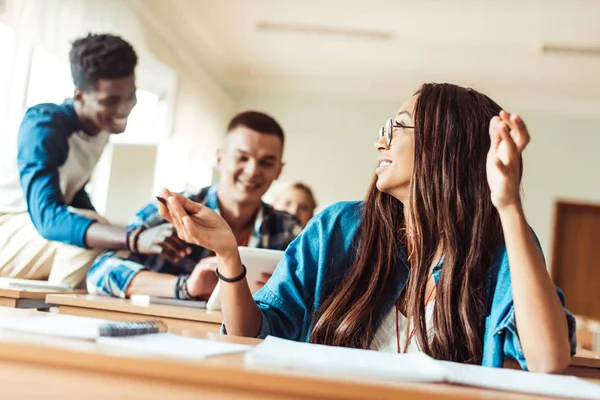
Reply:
x=197, y=224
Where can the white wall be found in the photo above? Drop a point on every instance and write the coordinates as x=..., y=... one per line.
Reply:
x=329, y=139
x=561, y=162
x=329, y=145
x=202, y=106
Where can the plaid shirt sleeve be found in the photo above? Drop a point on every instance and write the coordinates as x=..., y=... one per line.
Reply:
x=112, y=272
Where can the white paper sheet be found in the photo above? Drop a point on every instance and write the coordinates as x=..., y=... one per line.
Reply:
x=521, y=381
x=281, y=353
x=170, y=345
x=366, y=364
x=25, y=284
x=67, y=326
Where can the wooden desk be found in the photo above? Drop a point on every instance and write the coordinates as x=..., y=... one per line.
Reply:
x=21, y=298
x=586, y=358
x=585, y=364
x=587, y=332
x=124, y=310
x=64, y=368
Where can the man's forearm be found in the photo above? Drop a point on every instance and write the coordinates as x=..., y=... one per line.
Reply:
x=152, y=284
x=105, y=236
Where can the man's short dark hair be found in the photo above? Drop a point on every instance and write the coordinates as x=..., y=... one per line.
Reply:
x=257, y=121
x=96, y=57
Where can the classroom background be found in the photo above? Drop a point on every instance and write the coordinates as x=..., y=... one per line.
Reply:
x=331, y=72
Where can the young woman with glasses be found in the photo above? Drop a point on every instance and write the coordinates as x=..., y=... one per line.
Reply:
x=439, y=258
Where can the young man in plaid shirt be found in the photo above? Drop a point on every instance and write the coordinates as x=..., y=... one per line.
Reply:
x=250, y=160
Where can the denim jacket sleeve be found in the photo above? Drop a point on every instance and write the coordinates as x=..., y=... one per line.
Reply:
x=290, y=297
x=501, y=336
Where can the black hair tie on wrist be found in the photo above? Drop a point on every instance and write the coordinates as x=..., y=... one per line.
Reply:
x=231, y=280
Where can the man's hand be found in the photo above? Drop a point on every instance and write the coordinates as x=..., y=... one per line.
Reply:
x=162, y=239
x=203, y=279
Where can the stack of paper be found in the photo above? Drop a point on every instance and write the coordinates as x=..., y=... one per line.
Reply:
x=281, y=353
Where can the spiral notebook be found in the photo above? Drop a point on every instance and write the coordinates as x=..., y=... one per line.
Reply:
x=84, y=328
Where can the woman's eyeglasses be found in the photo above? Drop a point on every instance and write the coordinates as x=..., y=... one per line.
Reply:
x=387, y=130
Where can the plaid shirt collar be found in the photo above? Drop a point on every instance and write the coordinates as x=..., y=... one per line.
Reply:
x=210, y=199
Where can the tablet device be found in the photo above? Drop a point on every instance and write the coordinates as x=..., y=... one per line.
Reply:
x=256, y=261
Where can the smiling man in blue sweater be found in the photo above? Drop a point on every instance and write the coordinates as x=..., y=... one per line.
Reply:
x=48, y=225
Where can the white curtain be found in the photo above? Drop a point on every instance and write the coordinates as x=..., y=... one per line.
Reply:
x=53, y=25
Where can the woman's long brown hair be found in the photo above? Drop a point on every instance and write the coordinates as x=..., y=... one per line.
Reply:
x=449, y=206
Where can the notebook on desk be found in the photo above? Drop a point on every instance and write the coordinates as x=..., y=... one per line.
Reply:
x=73, y=327
x=144, y=337
x=174, y=346
x=281, y=354
x=29, y=284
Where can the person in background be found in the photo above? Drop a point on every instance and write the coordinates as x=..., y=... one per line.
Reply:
x=439, y=258
x=48, y=226
x=297, y=199
x=249, y=161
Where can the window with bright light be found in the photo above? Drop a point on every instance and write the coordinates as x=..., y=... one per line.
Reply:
x=49, y=79
x=7, y=46
x=146, y=123
x=7, y=66
x=50, y=82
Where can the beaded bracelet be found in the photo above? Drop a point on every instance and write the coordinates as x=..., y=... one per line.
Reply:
x=178, y=290
x=131, y=238
x=184, y=288
x=128, y=239
x=181, y=289
x=135, y=237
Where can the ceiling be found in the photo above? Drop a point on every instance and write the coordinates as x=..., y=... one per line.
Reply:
x=383, y=48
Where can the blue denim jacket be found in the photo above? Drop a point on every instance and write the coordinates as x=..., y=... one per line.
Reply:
x=325, y=251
